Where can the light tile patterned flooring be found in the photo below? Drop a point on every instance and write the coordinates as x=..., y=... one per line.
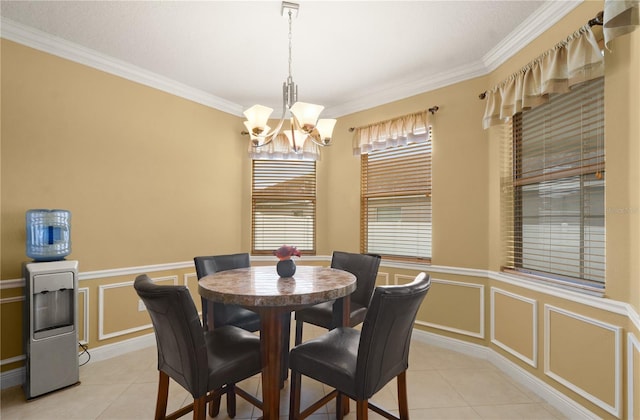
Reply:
x=442, y=384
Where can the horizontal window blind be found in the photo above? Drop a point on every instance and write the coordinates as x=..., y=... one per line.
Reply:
x=283, y=205
x=396, y=202
x=558, y=187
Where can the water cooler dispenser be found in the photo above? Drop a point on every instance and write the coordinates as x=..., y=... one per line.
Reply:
x=50, y=318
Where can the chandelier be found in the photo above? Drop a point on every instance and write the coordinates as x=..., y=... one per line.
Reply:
x=303, y=117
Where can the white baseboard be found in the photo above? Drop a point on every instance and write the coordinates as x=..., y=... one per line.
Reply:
x=12, y=378
x=556, y=399
x=559, y=401
x=122, y=347
x=16, y=377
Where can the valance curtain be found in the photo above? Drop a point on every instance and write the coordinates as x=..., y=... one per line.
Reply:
x=280, y=149
x=620, y=17
x=575, y=60
x=412, y=128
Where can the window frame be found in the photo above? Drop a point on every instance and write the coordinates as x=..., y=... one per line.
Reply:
x=401, y=191
x=589, y=166
x=296, y=191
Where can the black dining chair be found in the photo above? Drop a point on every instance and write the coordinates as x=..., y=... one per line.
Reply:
x=365, y=268
x=359, y=363
x=224, y=314
x=208, y=364
x=229, y=314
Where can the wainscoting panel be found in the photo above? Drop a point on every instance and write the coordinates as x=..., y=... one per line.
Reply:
x=191, y=281
x=402, y=279
x=454, y=306
x=584, y=354
x=514, y=325
x=382, y=279
x=633, y=377
x=118, y=312
x=83, y=315
x=11, y=310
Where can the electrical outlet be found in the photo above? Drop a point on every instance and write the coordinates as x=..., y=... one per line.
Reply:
x=141, y=307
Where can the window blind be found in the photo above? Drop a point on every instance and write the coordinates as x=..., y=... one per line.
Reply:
x=283, y=205
x=396, y=202
x=558, y=188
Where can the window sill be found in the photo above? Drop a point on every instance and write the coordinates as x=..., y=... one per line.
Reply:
x=576, y=287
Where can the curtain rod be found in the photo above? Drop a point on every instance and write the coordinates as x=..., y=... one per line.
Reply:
x=598, y=20
x=432, y=110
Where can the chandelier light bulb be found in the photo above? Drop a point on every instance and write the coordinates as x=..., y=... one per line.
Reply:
x=257, y=118
x=296, y=139
x=325, y=129
x=306, y=115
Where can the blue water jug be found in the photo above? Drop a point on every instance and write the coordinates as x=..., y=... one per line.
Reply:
x=48, y=234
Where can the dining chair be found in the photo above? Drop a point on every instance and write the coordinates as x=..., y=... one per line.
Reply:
x=225, y=314
x=229, y=314
x=358, y=363
x=365, y=268
x=207, y=364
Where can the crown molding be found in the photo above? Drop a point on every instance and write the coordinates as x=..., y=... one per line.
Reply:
x=408, y=88
x=548, y=15
x=544, y=18
x=59, y=47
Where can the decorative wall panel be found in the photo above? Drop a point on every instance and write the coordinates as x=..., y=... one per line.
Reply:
x=118, y=311
x=83, y=315
x=584, y=354
x=465, y=317
x=633, y=377
x=514, y=325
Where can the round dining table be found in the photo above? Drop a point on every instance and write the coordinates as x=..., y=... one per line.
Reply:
x=262, y=290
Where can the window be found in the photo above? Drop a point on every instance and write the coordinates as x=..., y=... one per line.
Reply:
x=558, y=186
x=283, y=205
x=396, y=202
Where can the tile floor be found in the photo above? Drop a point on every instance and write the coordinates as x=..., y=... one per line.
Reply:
x=442, y=384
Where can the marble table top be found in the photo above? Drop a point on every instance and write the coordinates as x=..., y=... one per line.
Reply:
x=261, y=286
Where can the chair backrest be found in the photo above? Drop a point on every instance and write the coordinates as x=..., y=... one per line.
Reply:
x=364, y=267
x=383, y=352
x=214, y=263
x=182, y=351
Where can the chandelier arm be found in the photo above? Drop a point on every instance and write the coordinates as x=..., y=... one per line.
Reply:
x=314, y=136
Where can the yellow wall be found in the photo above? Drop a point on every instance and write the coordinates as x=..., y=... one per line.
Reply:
x=459, y=173
x=622, y=138
x=151, y=178
x=148, y=177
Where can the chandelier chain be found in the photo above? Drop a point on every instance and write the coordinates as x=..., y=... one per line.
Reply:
x=290, y=41
x=303, y=117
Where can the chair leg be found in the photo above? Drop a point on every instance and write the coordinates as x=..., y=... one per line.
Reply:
x=298, y=332
x=200, y=408
x=294, y=396
x=403, y=403
x=340, y=406
x=345, y=405
x=214, y=405
x=231, y=400
x=163, y=394
x=362, y=410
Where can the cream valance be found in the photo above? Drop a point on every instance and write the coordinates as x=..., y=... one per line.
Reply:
x=280, y=149
x=575, y=60
x=412, y=128
x=620, y=17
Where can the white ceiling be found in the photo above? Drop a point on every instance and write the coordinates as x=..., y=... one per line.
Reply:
x=347, y=55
